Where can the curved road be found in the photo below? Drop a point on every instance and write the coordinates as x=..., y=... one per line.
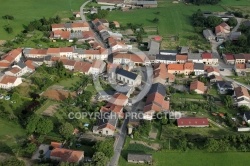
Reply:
x=81, y=10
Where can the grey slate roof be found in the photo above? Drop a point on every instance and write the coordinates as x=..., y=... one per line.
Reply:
x=157, y=87
x=246, y=23
x=198, y=66
x=165, y=57
x=235, y=35
x=140, y=157
x=21, y=64
x=247, y=114
x=153, y=47
x=194, y=56
x=105, y=35
x=207, y=33
x=225, y=84
x=126, y=73
x=184, y=50
x=169, y=51
x=79, y=50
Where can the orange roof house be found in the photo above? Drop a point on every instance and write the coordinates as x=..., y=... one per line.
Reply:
x=66, y=155
x=198, y=87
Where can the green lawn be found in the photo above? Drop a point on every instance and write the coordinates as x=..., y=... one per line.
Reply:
x=28, y=10
x=174, y=19
x=67, y=83
x=33, y=39
x=242, y=79
x=195, y=158
x=10, y=132
x=187, y=96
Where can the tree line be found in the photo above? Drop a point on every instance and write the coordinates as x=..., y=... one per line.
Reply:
x=202, y=2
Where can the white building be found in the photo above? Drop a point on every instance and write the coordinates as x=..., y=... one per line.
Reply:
x=8, y=82
x=128, y=77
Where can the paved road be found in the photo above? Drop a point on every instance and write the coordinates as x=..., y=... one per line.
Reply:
x=81, y=10
x=121, y=138
x=236, y=82
x=215, y=45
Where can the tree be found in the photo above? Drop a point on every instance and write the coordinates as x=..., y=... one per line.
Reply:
x=213, y=21
x=155, y=20
x=243, y=108
x=232, y=22
x=228, y=101
x=32, y=123
x=211, y=145
x=8, y=28
x=100, y=159
x=8, y=17
x=13, y=162
x=105, y=147
x=66, y=130
x=182, y=144
x=44, y=126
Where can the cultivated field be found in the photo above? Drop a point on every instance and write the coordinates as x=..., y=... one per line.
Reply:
x=28, y=10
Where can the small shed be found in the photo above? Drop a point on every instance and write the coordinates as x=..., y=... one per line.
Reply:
x=140, y=158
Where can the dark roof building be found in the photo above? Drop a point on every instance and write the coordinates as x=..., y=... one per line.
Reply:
x=165, y=57
x=140, y=158
x=126, y=73
x=199, y=66
x=157, y=87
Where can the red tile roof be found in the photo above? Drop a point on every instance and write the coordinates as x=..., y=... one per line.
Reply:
x=97, y=64
x=4, y=64
x=175, y=67
x=38, y=51
x=15, y=70
x=10, y=56
x=7, y=79
x=67, y=155
x=56, y=144
x=241, y=91
x=83, y=67
x=192, y=121
x=119, y=99
x=229, y=57
x=57, y=25
x=29, y=64
x=206, y=55
x=197, y=85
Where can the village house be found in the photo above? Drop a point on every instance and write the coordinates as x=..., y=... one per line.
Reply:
x=222, y=30
x=239, y=58
x=83, y=67
x=155, y=101
x=116, y=24
x=229, y=59
x=208, y=59
x=154, y=47
x=140, y=158
x=167, y=59
x=186, y=68
x=195, y=57
x=242, y=96
x=8, y=82
x=17, y=70
x=11, y=57
x=77, y=14
x=117, y=45
x=106, y=124
x=76, y=26
x=34, y=53
x=239, y=67
x=127, y=77
x=98, y=67
x=161, y=74
x=208, y=34
x=215, y=78
x=66, y=155
x=192, y=122
x=247, y=58
x=168, y=52
x=146, y=3
x=181, y=58
x=99, y=54
x=234, y=36
x=197, y=87
x=212, y=71
x=199, y=69
x=68, y=64
x=30, y=66
x=129, y=59
x=225, y=87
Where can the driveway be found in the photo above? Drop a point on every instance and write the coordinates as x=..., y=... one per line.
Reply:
x=81, y=10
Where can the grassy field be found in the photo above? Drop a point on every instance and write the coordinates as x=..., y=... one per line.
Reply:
x=195, y=158
x=174, y=19
x=10, y=132
x=67, y=83
x=28, y=10
x=46, y=104
x=235, y=2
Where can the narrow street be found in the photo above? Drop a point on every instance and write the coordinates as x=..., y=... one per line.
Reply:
x=81, y=10
x=118, y=145
x=236, y=82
